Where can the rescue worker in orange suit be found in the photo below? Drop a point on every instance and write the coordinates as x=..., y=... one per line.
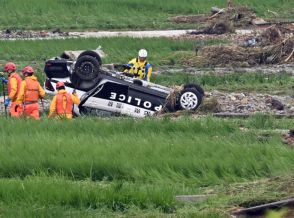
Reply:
x=13, y=87
x=30, y=93
x=62, y=103
x=139, y=66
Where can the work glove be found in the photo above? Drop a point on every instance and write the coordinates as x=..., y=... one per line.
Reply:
x=7, y=102
x=4, y=81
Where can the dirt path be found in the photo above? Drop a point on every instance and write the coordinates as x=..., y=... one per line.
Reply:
x=41, y=35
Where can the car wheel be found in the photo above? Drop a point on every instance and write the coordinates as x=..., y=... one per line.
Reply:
x=87, y=68
x=86, y=73
x=189, y=99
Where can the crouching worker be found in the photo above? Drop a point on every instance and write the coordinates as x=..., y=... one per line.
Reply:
x=13, y=84
x=139, y=66
x=30, y=93
x=62, y=103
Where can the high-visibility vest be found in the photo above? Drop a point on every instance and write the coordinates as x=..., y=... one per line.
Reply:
x=137, y=70
x=60, y=109
x=18, y=79
x=31, y=90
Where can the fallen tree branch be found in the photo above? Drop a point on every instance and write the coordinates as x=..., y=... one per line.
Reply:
x=217, y=10
x=216, y=14
x=290, y=56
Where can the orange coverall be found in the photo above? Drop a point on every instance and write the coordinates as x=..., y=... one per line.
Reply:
x=14, y=83
x=64, y=110
x=29, y=95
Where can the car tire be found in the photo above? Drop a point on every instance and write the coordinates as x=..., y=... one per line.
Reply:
x=86, y=73
x=189, y=99
x=87, y=68
x=195, y=86
x=91, y=53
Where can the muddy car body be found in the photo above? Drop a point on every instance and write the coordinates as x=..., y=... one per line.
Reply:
x=105, y=91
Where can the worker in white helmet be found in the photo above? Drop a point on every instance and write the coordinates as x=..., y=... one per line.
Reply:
x=139, y=66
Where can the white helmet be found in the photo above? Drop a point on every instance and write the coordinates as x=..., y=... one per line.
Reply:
x=143, y=53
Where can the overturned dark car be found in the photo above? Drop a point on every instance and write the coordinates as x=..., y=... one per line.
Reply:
x=110, y=91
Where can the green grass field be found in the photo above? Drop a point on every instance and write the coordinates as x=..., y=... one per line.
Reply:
x=133, y=166
x=117, y=14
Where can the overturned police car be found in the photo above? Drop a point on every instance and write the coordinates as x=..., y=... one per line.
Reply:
x=111, y=91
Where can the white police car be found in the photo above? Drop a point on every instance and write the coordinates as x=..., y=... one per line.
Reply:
x=113, y=92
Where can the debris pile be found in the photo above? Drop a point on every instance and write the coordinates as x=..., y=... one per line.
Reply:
x=239, y=16
x=216, y=28
x=245, y=103
x=222, y=21
x=19, y=34
x=233, y=55
x=273, y=45
x=249, y=103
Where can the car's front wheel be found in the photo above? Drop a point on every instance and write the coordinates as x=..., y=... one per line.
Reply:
x=189, y=99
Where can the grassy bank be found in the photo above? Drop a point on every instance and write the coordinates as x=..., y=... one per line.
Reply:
x=117, y=14
x=94, y=167
x=143, y=150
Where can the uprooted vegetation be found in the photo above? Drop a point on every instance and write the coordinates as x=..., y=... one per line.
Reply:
x=275, y=45
x=220, y=55
x=222, y=20
x=239, y=16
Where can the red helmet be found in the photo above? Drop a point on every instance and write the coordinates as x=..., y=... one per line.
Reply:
x=9, y=67
x=59, y=84
x=27, y=69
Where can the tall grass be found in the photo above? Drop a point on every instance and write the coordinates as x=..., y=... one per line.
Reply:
x=117, y=196
x=116, y=14
x=95, y=167
x=207, y=151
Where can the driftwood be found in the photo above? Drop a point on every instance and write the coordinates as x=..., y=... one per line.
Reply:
x=216, y=14
x=259, y=21
x=272, y=23
x=290, y=56
x=215, y=10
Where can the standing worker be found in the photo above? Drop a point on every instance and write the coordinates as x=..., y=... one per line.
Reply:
x=30, y=93
x=62, y=103
x=13, y=83
x=140, y=67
